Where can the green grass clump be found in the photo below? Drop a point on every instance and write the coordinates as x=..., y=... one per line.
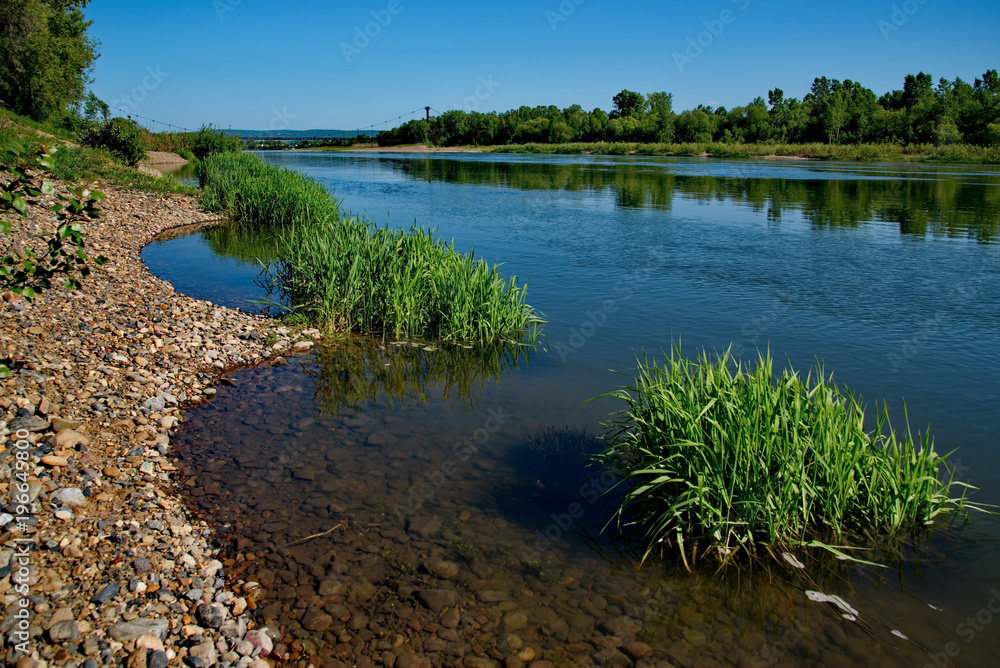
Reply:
x=351, y=274
x=257, y=196
x=719, y=457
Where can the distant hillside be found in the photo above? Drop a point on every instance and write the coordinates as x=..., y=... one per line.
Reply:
x=322, y=134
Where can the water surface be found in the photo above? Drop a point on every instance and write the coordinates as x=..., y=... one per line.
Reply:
x=887, y=273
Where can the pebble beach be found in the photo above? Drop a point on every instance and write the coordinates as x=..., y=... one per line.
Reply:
x=100, y=561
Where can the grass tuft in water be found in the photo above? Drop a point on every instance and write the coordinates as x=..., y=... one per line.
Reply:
x=721, y=457
x=349, y=274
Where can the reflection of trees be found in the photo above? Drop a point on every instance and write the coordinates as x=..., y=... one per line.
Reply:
x=356, y=373
x=248, y=246
x=942, y=205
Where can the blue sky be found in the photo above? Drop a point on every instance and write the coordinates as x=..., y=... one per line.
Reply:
x=252, y=64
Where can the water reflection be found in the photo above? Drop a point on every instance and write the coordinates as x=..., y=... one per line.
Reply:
x=936, y=204
x=358, y=373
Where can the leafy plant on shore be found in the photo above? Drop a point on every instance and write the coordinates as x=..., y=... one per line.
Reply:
x=210, y=141
x=720, y=458
x=26, y=271
x=121, y=137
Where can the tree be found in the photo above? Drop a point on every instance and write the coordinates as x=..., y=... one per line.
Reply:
x=628, y=103
x=45, y=55
x=661, y=114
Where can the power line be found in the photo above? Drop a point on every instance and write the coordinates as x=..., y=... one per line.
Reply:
x=178, y=127
x=151, y=120
x=375, y=125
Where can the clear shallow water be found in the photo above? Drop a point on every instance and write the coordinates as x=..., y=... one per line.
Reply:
x=889, y=274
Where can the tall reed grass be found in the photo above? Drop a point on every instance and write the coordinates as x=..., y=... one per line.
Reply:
x=718, y=457
x=351, y=274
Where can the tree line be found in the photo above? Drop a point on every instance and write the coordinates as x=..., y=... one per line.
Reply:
x=834, y=112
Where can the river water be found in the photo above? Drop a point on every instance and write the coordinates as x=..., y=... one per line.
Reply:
x=456, y=471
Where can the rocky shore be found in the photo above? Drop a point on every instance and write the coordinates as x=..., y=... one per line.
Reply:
x=100, y=562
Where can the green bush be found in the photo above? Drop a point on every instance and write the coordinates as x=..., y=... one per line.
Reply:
x=209, y=141
x=122, y=137
x=717, y=458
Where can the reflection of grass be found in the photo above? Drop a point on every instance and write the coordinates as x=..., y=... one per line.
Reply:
x=721, y=458
x=353, y=373
x=566, y=443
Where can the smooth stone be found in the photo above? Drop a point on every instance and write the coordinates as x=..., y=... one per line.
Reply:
x=142, y=565
x=445, y=570
x=331, y=588
x=636, y=650
x=157, y=659
x=621, y=627
x=492, y=596
x=32, y=423
x=61, y=424
x=68, y=438
x=260, y=640
x=69, y=496
x=206, y=652
x=515, y=621
x=54, y=461
x=106, y=594
x=316, y=620
x=211, y=616
x=66, y=631
x=610, y=657
x=124, y=631
x=437, y=599
x=150, y=642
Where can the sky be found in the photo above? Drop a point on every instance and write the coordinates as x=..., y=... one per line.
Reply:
x=255, y=65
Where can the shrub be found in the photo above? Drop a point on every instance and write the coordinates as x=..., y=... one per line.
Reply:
x=209, y=141
x=121, y=136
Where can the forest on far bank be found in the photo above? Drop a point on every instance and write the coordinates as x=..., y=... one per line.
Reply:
x=834, y=112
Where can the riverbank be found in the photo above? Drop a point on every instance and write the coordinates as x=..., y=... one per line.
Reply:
x=960, y=154
x=117, y=568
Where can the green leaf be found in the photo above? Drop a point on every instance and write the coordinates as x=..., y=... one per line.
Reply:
x=5, y=226
x=5, y=372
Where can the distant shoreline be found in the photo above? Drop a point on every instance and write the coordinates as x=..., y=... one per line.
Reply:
x=957, y=154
